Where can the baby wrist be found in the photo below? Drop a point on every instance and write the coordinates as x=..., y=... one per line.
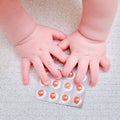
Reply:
x=25, y=38
x=93, y=33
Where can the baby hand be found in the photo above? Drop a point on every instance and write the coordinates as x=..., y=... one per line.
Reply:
x=37, y=49
x=88, y=54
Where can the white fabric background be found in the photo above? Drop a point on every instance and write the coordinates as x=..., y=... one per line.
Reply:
x=18, y=102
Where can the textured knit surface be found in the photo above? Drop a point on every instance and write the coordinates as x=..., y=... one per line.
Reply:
x=18, y=102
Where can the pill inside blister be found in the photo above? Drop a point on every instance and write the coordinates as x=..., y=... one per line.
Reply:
x=56, y=83
x=70, y=74
x=79, y=88
x=52, y=95
x=67, y=85
x=76, y=100
x=65, y=97
x=41, y=92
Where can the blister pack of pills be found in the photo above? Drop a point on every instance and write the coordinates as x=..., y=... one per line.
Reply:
x=63, y=91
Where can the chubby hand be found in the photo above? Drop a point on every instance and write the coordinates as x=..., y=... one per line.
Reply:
x=37, y=48
x=86, y=54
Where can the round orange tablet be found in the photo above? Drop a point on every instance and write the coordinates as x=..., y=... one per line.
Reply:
x=65, y=97
x=67, y=85
x=41, y=92
x=55, y=83
x=76, y=99
x=70, y=74
x=79, y=87
x=52, y=95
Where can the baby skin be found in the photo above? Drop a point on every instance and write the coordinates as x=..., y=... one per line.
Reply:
x=35, y=43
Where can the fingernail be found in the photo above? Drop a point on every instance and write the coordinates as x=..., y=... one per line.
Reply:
x=47, y=82
x=92, y=84
x=25, y=82
x=58, y=75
